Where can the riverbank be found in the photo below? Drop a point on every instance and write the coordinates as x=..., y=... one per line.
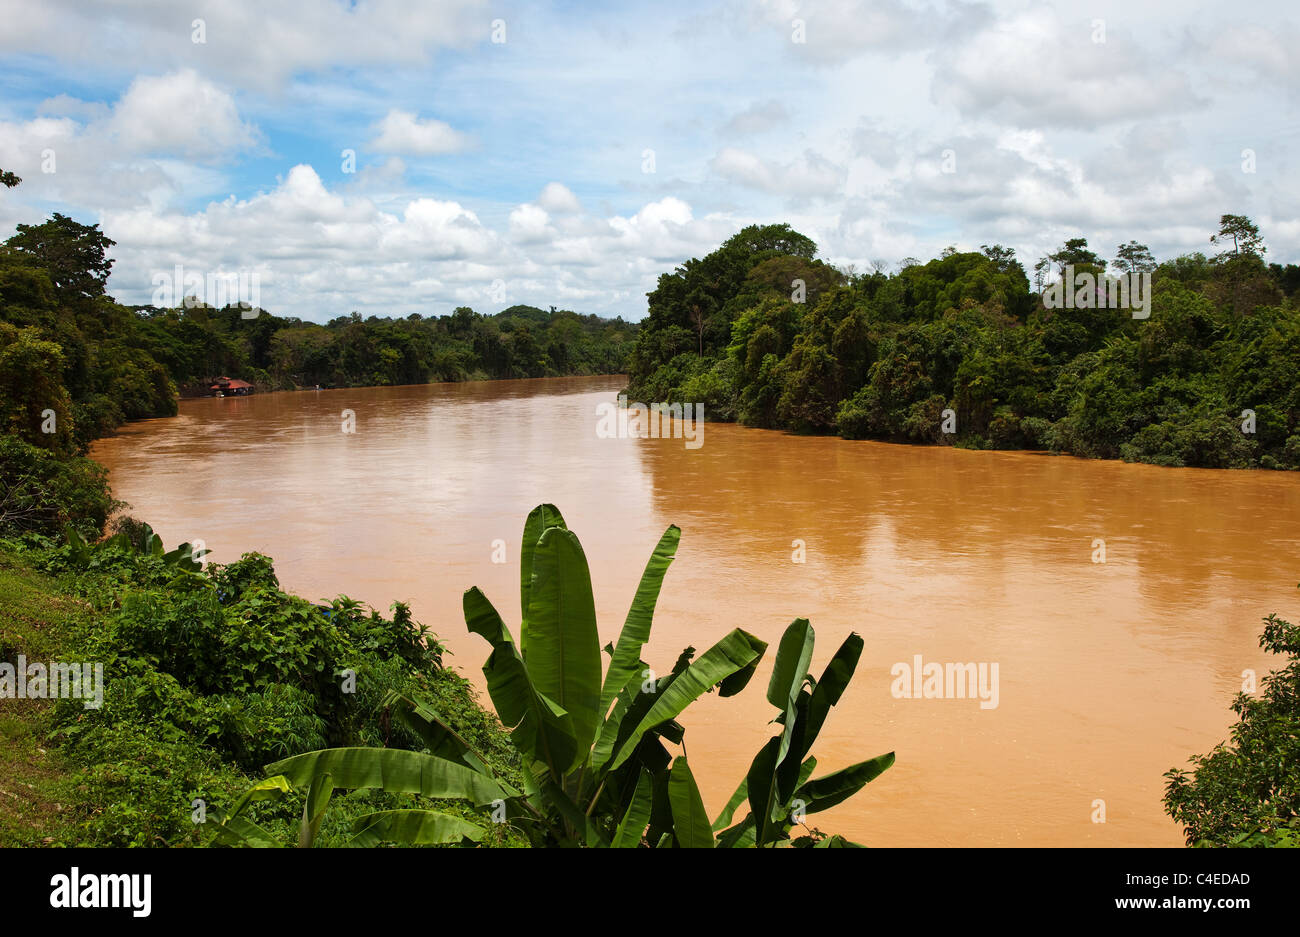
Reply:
x=953, y=554
x=206, y=677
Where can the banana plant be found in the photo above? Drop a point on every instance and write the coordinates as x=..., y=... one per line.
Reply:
x=184, y=557
x=777, y=787
x=597, y=772
x=318, y=774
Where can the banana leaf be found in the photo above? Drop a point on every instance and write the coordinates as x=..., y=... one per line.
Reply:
x=390, y=769
x=412, y=828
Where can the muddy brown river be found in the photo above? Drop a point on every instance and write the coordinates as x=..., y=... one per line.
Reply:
x=1108, y=673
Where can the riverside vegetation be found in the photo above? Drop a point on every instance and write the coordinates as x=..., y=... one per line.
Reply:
x=214, y=674
x=762, y=332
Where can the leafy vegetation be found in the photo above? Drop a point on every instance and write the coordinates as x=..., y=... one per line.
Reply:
x=962, y=351
x=74, y=364
x=212, y=675
x=1247, y=791
x=596, y=769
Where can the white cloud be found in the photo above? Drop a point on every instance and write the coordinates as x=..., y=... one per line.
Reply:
x=557, y=198
x=809, y=176
x=530, y=224
x=180, y=113
x=1037, y=69
x=165, y=136
x=841, y=136
x=247, y=42
x=830, y=32
x=403, y=132
x=320, y=252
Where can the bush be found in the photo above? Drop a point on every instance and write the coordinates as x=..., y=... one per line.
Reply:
x=1247, y=791
x=41, y=492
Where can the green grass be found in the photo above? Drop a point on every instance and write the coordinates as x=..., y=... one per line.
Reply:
x=41, y=801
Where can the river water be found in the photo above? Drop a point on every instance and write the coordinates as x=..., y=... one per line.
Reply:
x=1108, y=673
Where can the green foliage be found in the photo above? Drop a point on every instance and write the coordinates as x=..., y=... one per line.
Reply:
x=884, y=357
x=595, y=767
x=41, y=492
x=1246, y=792
x=235, y=634
x=777, y=787
x=67, y=348
x=218, y=673
x=73, y=253
x=1242, y=232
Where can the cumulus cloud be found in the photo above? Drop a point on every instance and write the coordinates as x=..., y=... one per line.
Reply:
x=403, y=132
x=557, y=198
x=809, y=176
x=1037, y=69
x=223, y=153
x=180, y=113
x=247, y=42
x=320, y=252
x=165, y=135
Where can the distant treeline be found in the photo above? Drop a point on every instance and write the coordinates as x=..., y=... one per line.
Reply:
x=74, y=364
x=962, y=350
x=199, y=342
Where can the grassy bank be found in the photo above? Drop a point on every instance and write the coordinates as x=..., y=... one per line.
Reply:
x=208, y=676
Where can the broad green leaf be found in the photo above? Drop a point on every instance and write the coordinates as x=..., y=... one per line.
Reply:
x=740, y=836
x=630, y=706
x=438, y=735
x=272, y=788
x=825, y=792
x=690, y=822
x=838, y=842
x=240, y=830
x=313, y=810
x=742, y=792
x=636, y=629
x=614, y=723
x=794, y=742
x=784, y=691
x=793, y=656
x=835, y=679
x=578, y=821
x=761, y=783
x=632, y=827
x=390, y=769
x=736, y=651
x=540, y=730
x=539, y=519
x=151, y=542
x=412, y=828
x=482, y=618
x=563, y=646
x=729, y=811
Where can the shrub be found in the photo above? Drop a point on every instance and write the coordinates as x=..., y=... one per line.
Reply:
x=41, y=492
x=1247, y=790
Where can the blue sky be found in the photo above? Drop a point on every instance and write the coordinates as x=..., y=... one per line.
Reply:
x=489, y=173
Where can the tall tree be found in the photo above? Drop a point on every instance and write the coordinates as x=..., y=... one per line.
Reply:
x=1004, y=257
x=1134, y=258
x=73, y=253
x=780, y=238
x=1074, y=253
x=1243, y=233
